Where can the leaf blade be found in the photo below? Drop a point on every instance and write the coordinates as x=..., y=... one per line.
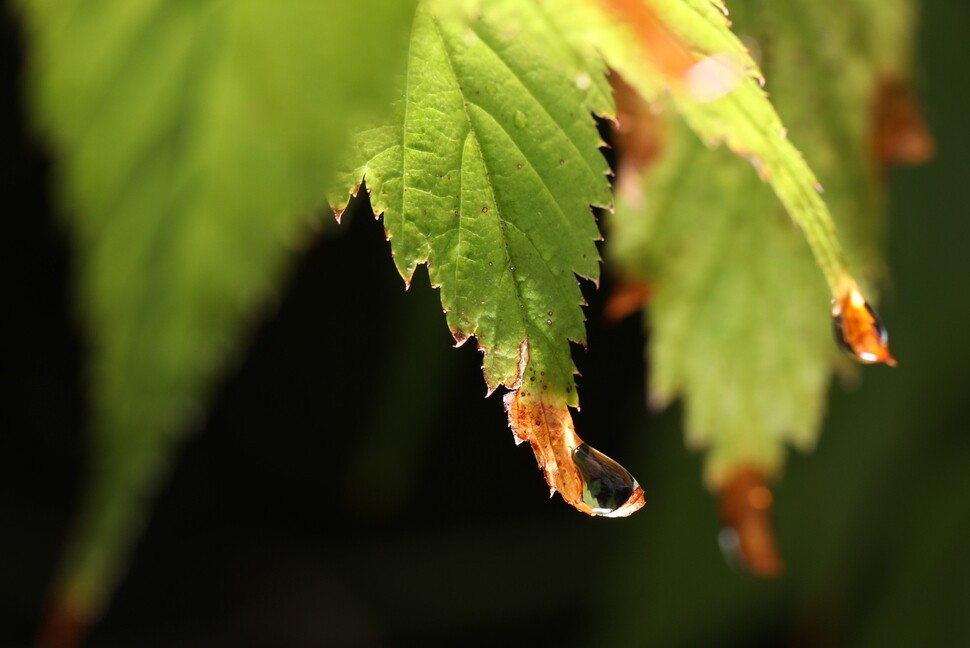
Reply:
x=192, y=153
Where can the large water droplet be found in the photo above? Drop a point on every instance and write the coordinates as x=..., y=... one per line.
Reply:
x=521, y=121
x=608, y=488
x=859, y=331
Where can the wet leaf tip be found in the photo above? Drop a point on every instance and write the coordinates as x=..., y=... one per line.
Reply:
x=858, y=330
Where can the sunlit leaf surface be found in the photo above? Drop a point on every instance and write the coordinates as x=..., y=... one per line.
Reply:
x=488, y=177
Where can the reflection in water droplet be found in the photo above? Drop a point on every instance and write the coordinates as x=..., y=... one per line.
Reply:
x=521, y=120
x=607, y=486
x=859, y=331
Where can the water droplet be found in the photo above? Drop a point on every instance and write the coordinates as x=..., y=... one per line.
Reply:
x=583, y=82
x=549, y=322
x=608, y=488
x=521, y=121
x=484, y=209
x=859, y=331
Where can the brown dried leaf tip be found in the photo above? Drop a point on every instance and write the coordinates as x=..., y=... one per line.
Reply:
x=900, y=134
x=66, y=625
x=626, y=298
x=665, y=50
x=585, y=477
x=858, y=329
x=749, y=538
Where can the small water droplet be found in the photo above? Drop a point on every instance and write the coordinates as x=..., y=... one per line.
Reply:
x=583, y=82
x=521, y=121
x=549, y=322
x=607, y=486
x=859, y=331
x=484, y=209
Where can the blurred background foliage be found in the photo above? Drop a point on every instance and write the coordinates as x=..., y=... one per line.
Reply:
x=352, y=487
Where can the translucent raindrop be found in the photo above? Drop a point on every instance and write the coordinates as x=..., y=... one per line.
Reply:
x=607, y=486
x=521, y=121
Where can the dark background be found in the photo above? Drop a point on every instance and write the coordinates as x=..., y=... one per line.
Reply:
x=352, y=487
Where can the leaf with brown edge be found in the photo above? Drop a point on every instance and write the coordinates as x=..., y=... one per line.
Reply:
x=487, y=176
x=586, y=478
x=749, y=538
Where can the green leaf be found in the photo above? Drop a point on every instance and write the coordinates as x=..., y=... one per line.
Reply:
x=193, y=142
x=739, y=324
x=714, y=87
x=487, y=176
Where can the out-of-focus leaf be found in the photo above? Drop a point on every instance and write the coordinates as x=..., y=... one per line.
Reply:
x=738, y=318
x=487, y=176
x=685, y=50
x=740, y=322
x=193, y=141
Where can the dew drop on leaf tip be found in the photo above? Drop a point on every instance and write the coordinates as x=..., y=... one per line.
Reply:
x=608, y=488
x=858, y=330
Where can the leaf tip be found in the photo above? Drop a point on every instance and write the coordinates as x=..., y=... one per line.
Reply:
x=748, y=539
x=857, y=327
